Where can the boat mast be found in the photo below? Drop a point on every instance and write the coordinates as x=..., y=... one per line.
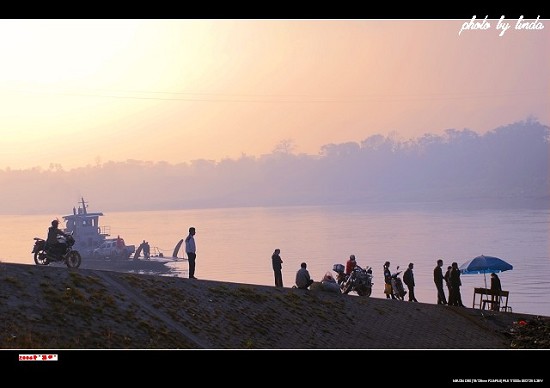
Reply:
x=84, y=206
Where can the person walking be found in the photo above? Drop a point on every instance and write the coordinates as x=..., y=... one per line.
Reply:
x=455, y=299
x=438, y=280
x=277, y=267
x=191, y=250
x=408, y=279
x=388, y=290
x=303, y=280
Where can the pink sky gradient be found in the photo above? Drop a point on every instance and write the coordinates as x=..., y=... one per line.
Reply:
x=89, y=91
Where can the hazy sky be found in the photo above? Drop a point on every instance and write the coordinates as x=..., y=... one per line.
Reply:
x=79, y=92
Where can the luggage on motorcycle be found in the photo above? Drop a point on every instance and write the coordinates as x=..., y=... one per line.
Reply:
x=338, y=268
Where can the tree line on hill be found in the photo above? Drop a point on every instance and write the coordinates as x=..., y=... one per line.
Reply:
x=509, y=164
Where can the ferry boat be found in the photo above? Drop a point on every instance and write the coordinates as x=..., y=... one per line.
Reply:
x=85, y=228
x=101, y=251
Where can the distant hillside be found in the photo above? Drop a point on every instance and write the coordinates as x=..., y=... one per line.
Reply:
x=509, y=165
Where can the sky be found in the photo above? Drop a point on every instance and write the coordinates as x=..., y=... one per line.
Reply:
x=87, y=91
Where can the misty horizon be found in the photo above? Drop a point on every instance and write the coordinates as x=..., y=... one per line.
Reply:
x=508, y=164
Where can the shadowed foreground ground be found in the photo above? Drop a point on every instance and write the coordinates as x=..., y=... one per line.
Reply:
x=104, y=323
x=58, y=308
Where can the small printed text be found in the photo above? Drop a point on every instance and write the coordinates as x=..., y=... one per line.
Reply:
x=38, y=357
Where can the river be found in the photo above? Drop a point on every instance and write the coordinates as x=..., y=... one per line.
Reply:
x=235, y=244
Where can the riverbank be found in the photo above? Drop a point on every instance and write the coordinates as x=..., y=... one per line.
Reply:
x=58, y=308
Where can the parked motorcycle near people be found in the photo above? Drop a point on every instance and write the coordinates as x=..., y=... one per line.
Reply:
x=44, y=256
x=397, y=285
x=359, y=280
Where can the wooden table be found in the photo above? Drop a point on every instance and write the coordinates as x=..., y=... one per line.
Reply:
x=494, y=300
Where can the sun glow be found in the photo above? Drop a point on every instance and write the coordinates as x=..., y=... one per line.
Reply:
x=119, y=89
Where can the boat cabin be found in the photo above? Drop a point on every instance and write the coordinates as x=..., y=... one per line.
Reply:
x=85, y=228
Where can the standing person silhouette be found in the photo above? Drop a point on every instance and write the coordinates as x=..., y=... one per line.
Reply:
x=191, y=250
x=455, y=299
x=146, y=250
x=438, y=280
x=448, y=279
x=408, y=279
x=277, y=267
x=388, y=290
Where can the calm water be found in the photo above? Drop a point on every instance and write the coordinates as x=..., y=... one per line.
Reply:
x=236, y=244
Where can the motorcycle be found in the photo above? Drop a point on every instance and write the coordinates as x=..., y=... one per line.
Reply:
x=44, y=256
x=359, y=280
x=397, y=285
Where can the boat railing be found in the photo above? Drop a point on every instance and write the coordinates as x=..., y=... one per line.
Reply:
x=105, y=230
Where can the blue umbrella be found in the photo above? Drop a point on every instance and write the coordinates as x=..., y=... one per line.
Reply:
x=484, y=264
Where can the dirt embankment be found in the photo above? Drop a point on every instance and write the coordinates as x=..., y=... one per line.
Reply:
x=59, y=308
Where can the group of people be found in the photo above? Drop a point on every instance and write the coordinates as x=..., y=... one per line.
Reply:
x=452, y=279
x=408, y=279
x=303, y=279
x=453, y=282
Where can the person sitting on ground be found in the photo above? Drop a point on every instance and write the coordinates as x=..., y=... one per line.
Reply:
x=303, y=280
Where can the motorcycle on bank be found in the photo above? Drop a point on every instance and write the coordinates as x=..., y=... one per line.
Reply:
x=44, y=256
x=359, y=280
x=397, y=285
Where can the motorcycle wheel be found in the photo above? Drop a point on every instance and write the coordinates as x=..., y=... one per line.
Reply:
x=40, y=258
x=367, y=292
x=346, y=288
x=73, y=260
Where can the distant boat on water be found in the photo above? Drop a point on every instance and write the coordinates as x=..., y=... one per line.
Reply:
x=101, y=251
